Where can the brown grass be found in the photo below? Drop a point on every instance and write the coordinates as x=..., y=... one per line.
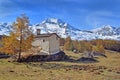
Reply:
x=106, y=69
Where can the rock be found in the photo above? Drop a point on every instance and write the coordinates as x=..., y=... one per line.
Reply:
x=118, y=72
x=13, y=58
x=85, y=59
x=56, y=57
x=35, y=58
x=87, y=54
x=11, y=71
x=75, y=51
x=4, y=55
x=99, y=54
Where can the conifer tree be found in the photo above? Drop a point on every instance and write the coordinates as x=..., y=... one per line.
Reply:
x=99, y=47
x=19, y=39
x=9, y=44
x=75, y=44
x=68, y=44
x=23, y=33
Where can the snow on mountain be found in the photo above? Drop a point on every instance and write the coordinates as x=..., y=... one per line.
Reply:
x=5, y=28
x=53, y=25
x=108, y=32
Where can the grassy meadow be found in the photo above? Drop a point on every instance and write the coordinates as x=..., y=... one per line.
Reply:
x=105, y=69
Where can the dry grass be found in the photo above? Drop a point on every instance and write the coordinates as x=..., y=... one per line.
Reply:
x=106, y=69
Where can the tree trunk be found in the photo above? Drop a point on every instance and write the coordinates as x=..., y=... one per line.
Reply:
x=19, y=55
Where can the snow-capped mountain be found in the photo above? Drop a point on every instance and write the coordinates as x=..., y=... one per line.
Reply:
x=5, y=28
x=53, y=25
x=108, y=32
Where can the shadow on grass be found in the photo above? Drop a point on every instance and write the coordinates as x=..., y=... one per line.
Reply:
x=81, y=60
x=59, y=57
x=57, y=66
x=4, y=56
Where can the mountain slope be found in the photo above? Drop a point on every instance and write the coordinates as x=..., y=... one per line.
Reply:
x=5, y=28
x=63, y=29
x=108, y=32
x=53, y=25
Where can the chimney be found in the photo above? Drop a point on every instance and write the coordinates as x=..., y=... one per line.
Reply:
x=38, y=31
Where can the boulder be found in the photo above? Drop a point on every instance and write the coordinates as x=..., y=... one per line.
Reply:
x=4, y=55
x=35, y=58
x=87, y=54
x=99, y=54
x=56, y=57
x=85, y=59
x=13, y=58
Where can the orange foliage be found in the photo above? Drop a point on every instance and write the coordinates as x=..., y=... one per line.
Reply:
x=9, y=44
x=19, y=39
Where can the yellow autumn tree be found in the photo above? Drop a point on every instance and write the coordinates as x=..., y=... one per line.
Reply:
x=85, y=46
x=68, y=44
x=99, y=47
x=23, y=32
x=9, y=44
x=75, y=44
x=19, y=39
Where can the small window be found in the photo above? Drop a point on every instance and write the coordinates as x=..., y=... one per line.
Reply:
x=43, y=40
x=56, y=38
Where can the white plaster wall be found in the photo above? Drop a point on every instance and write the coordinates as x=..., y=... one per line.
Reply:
x=54, y=44
x=44, y=44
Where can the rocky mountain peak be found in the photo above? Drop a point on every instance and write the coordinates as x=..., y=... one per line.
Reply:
x=63, y=29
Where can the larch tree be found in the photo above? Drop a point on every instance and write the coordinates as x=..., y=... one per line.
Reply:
x=75, y=44
x=99, y=47
x=85, y=46
x=9, y=44
x=19, y=39
x=23, y=33
x=68, y=44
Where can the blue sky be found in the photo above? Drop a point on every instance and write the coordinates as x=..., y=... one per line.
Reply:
x=82, y=14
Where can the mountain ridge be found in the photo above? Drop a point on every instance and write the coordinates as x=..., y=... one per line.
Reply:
x=63, y=29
